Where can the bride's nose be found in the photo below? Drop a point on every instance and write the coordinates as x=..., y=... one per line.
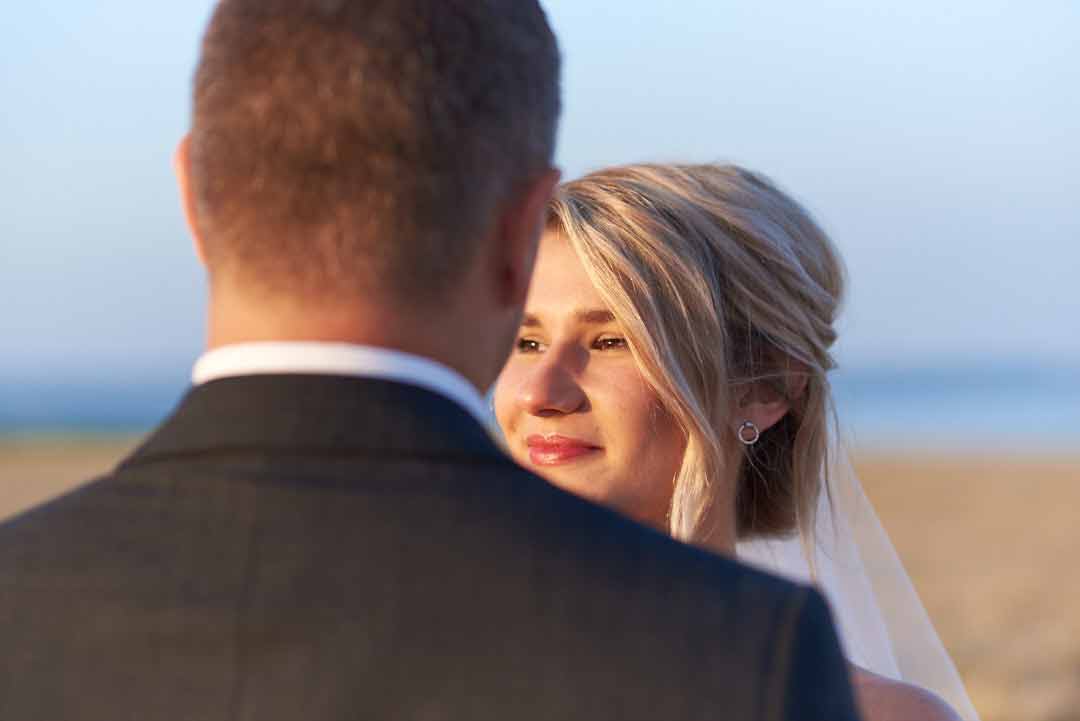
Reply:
x=552, y=388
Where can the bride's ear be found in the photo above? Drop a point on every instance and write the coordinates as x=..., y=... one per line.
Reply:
x=761, y=405
x=182, y=169
x=765, y=403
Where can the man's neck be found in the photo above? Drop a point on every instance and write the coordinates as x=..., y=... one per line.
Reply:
x=441, y=339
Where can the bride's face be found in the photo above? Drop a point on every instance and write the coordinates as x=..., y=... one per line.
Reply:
x=574, y=406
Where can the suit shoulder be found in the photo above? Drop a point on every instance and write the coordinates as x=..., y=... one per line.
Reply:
x=73, y=495
x=576, y=518
x=647, y=563
x=817, y=683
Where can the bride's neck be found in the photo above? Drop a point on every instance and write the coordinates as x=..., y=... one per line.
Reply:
x=719, y=542
x=716, y=531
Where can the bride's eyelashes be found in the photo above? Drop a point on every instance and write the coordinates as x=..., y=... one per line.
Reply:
x=609, y=343
x=529, y=345
x=604, y=343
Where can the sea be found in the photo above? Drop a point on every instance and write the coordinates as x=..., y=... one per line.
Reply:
x=969, y=408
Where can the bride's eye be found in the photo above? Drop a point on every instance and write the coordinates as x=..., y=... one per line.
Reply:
x=609, y=343
x=528, y=345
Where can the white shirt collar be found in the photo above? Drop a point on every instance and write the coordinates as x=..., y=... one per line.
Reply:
x=340, y=359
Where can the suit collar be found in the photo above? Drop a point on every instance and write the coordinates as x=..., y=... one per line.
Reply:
x=327, y=416
x=338, y=359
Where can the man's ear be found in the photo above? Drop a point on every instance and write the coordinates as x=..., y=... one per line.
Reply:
x=519, y=229
x=182, y=168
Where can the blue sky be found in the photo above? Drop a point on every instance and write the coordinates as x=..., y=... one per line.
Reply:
x=937, y=143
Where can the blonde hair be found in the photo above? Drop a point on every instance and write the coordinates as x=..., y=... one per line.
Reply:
x=722, y=283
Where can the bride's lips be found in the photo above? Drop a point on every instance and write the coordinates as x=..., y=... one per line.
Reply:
x=553, y=450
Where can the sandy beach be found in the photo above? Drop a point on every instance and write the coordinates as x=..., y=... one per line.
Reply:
x=991, y=543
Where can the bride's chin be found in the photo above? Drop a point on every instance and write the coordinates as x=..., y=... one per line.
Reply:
x=572, y=483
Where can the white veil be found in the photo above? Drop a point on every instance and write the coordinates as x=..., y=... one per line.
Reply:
x=882, y=624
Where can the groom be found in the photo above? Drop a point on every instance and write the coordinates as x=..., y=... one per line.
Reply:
x=323, y=530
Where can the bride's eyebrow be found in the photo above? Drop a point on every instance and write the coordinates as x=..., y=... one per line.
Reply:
x=592, y=316
x=595, y=316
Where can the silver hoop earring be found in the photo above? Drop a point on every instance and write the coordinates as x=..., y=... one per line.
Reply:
x=754, y=433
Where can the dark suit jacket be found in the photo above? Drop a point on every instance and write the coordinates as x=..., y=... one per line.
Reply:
x=312, y=548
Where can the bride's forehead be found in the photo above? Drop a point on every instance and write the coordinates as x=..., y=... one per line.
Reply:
x=562, y=293
x=560, y=281
x=555, y=249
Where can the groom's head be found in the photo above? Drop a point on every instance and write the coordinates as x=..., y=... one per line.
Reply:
x=352, y=157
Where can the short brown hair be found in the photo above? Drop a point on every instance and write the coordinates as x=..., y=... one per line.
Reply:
x=359, y=147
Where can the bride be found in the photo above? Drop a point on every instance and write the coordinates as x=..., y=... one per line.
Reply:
x=672, y=364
